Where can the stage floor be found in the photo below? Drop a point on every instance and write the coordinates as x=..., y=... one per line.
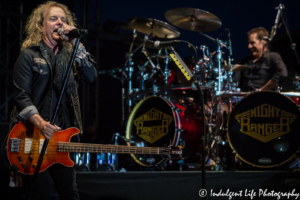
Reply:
x=185, y=185
x=166, y=185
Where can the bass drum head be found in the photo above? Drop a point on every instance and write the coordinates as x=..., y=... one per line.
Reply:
x=263, y=129
x=151, y=124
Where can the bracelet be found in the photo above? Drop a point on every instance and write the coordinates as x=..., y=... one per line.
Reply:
x=84, y=55
x=81, y=49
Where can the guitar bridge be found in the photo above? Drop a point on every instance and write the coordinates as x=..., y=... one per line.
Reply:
x=14, y=145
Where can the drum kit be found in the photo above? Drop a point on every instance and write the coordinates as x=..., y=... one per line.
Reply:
x=261, y=127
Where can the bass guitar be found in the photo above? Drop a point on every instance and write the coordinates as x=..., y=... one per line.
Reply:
x=25, y=143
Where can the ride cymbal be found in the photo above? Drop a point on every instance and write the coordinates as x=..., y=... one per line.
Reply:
x=158, y=28
x=193, y=19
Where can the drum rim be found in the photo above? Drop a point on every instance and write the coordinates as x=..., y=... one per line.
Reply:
x=129, y=126
x=227, y=134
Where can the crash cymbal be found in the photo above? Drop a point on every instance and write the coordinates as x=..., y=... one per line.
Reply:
x=237, y=67
x=159, y=28
x=193, y=19
x=137, y=42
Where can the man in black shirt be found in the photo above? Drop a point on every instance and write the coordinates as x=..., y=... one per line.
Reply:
x=268, y=69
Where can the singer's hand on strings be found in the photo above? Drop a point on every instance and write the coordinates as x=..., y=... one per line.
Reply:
x=66, y=29
x=47, y=129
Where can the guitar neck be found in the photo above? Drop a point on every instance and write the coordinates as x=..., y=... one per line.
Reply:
x=102, y=148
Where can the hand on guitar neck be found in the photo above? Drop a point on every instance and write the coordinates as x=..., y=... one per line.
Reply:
x=46, y=129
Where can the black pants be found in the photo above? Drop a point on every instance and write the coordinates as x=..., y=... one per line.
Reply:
x=64, y=179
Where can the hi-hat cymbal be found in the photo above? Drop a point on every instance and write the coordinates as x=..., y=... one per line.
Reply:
x=138, y=42
x=159, y=28
x=193, y=19
x=237, y=67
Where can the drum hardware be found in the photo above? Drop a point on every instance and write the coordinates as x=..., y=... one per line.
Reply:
x=138, y=41
x=182, y=143
x=167, y=71
x=218, y=139
x=296, y=82
x=155, y=89
x=219, y=59
x=146, y=53
x=217, y=134
x=127, y=67
x=142, y=76
x=279, y=89
x=179, y=110
x=180, y=131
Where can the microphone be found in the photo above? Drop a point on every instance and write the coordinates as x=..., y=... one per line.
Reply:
x=274, y=28
x=229, y=42
x=75, y=33
x=266, y=38
x=165, y=43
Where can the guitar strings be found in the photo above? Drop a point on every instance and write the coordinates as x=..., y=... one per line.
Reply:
x=85, y=147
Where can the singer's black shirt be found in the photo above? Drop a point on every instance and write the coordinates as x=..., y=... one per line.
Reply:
x=33, y=79
x=269, y=66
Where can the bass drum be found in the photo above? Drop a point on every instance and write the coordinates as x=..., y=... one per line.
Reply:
x=158, y=122
x=263, y=129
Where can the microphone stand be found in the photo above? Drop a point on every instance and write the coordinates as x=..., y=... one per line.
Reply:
x=293, y=45
x=37, y=169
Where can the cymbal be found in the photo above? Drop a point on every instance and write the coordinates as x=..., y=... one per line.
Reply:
x=193, y=19
x=137, y=42
x=237, y=67
x=159, y=28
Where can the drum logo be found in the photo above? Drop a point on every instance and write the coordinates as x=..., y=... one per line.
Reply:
x=152, y=125
x=265, y=122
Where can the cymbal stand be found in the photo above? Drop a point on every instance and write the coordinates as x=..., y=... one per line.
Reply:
x=218, y=108
x=127, y=67
x=143, y=76
x=154, y=68
x=204, y=72
x=167, y=72
x=220, y=44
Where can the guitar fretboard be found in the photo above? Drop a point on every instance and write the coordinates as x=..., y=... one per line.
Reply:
x=101, y=148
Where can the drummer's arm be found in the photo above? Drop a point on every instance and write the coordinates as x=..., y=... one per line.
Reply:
x=270, y=85
x=280, y=72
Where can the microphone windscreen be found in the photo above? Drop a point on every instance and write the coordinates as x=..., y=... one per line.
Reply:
x=59, y=31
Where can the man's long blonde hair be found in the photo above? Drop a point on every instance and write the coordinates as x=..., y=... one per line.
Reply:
x=34, y=24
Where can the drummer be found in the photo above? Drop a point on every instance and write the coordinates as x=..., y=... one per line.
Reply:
x=267, y=68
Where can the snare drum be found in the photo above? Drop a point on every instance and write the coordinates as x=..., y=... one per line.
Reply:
x=263, y=129
x=159, y=122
